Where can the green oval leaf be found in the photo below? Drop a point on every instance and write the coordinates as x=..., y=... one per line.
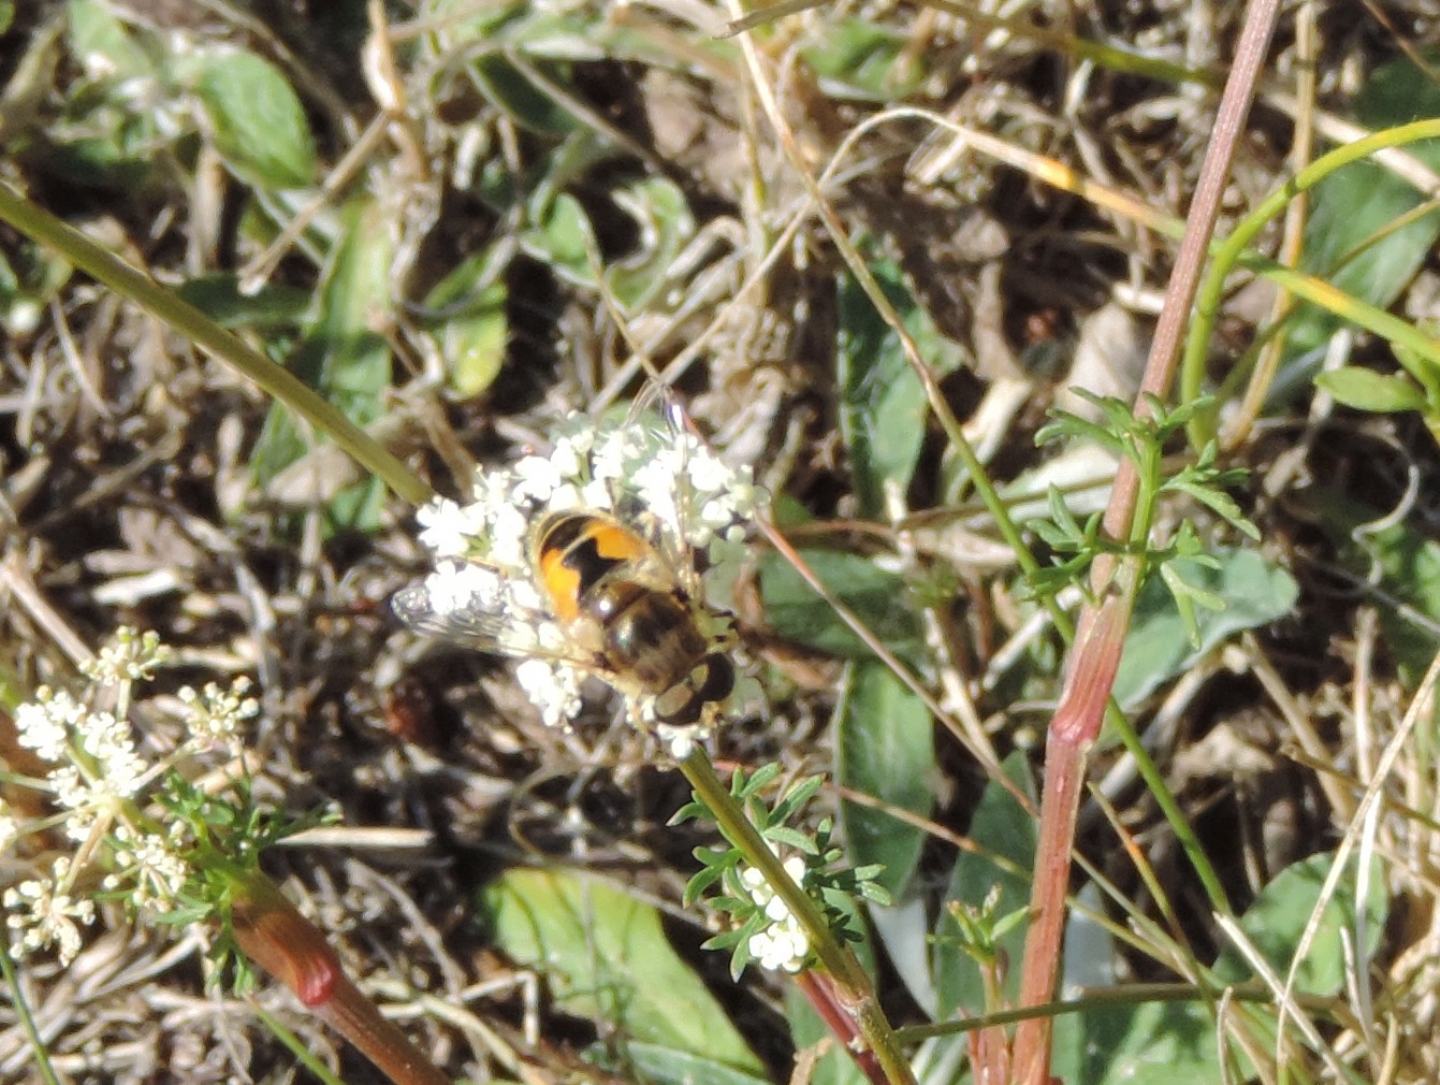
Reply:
x=1155, y=1043
x=511, y=92
x=255, y=118
x=103, y=43
x=663, y=215
x=861, y=58
x=880, y=598
x=1158, y=647
x=1276, y=920
x=884, y=748
x=1366, y=390
x=562, y=237
x=344, y=359
x=606, y=958
x=883, y=405
x=476, y=328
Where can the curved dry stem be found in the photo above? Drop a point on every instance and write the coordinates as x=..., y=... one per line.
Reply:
x=36, y=223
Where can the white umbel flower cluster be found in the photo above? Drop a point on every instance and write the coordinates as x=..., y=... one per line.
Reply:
x=41, y=912
x=659, y=478
x=215, y=714
x=97, y=780
x=782, y=945
x=96, y=765
x=130, y=656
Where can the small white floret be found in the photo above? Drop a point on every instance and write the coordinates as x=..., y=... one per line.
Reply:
x=455, y=586
x=536, y=478
x=449, y=530
x=44, y=724
x=555, y=691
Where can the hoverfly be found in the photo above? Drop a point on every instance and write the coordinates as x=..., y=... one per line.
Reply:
x=590, y=562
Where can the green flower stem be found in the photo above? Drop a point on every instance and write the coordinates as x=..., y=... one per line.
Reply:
x=41, y=226
x=1147, y=493
x=1169, y=807
x=21, y=1007
x=1127, y=576
x=1232, y=251
x=852, y=982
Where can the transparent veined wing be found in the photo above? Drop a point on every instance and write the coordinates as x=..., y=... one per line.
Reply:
x=474, y=624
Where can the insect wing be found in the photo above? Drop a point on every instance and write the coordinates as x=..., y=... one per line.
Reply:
x=469, y=625
x=508, y=634
x=658, y=410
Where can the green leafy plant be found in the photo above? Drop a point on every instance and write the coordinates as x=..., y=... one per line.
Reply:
x=1142, y=441
x=978, y=934
x=762, y=926
x=176, y=855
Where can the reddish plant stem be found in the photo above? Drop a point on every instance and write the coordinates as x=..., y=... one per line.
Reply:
x=1095, y=655
x=819, y=989
x=286, y=945
x=1073, y=729
x=990, y=1055
x=376, y=1037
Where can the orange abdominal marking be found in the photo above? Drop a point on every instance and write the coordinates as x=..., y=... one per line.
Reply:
x=561, y=583
x=616, y=543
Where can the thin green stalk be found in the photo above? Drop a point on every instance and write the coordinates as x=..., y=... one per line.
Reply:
x=297, y=1047
x=837, y=958
x=1130, y=994
x=39, y=225
x=1145, y=765
x=1231, y=251
x=27, y=1022
x=1129, y=575
x=1169, y=808
x=1318, y=292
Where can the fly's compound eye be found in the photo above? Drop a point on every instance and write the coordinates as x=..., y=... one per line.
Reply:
x=719, y=678
x=707, y=685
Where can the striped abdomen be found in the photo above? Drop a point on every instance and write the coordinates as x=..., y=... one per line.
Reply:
x=608, y=587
